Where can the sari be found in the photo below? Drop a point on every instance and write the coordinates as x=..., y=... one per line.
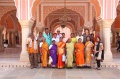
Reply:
x=61, y=51
x=74, y=40
x=53, y=54
x=70, y=50
x=88, y=51
x=79, y=54
x=44, y=51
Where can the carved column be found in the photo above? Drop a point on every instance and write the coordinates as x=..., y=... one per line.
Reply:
x=20, y=38
x=25, y=24
x=113, y=39
x=13, y=39
x=5, y=34
x=106, y=37
x=9, y=39
x=1, y=39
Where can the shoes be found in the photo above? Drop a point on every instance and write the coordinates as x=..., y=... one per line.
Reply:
x=85, y=66
x=37, y=67
x=44, y=67
x=88, y=67
x=69, y=67
x=31, y=67
x=98, y=68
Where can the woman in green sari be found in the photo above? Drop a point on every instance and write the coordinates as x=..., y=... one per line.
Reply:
x=70, y=51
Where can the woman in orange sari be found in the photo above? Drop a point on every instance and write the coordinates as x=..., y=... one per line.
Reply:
x=88, y=50
x=79, y=52
x=44, y=53
x=61, y=52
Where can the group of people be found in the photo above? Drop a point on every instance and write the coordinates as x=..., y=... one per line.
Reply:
x=57, y=51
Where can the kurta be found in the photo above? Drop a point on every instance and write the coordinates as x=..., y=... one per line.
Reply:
x=79, y=54
x=99, y=55
x=61, y=51
x=79, y=37
x=88, y=51
x=48, y=38
x=44, y=51
x=31, y=49
x=70, y=51
x=53, y=54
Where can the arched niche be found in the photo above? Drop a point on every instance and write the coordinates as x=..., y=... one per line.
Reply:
x=75, y=19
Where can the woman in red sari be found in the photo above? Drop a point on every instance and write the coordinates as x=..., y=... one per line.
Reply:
x=61, y=51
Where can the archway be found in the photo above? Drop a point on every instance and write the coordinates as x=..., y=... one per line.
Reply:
x=94, y=2
x=75, y=21
x=115, y=28
x=83, y=11
x=12, y=31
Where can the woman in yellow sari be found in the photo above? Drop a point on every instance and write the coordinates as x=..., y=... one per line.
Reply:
x=79, y=52
x=70, y=50
x=44, y=53
x=88, y=50
x=73, y=38
x=61, y=51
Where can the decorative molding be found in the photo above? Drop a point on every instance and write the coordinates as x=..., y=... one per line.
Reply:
x=88, y=24
x=62, y=1
x=80, y=8
x=7, y=4
x=5, y=9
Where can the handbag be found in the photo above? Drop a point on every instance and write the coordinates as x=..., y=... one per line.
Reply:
x=63, y=58
x=50, y=60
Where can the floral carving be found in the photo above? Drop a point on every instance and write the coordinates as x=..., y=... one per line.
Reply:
x=5, y=9
x=50, y=9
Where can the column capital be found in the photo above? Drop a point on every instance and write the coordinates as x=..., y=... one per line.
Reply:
x=107, y=23
x=26, y=23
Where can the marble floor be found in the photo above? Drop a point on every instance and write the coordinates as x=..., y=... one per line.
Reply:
x=48, y=73
x=11, y=55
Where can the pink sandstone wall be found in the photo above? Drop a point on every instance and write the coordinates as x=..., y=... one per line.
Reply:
x=108, y=8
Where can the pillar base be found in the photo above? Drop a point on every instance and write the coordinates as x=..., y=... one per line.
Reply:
x=108, y=56
x=24, y=57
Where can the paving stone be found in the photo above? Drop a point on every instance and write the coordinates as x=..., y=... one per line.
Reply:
x=8, y=78
x=74, y=78
x=49, y=73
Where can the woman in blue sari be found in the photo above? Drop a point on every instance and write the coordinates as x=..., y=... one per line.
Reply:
x=53, y=53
